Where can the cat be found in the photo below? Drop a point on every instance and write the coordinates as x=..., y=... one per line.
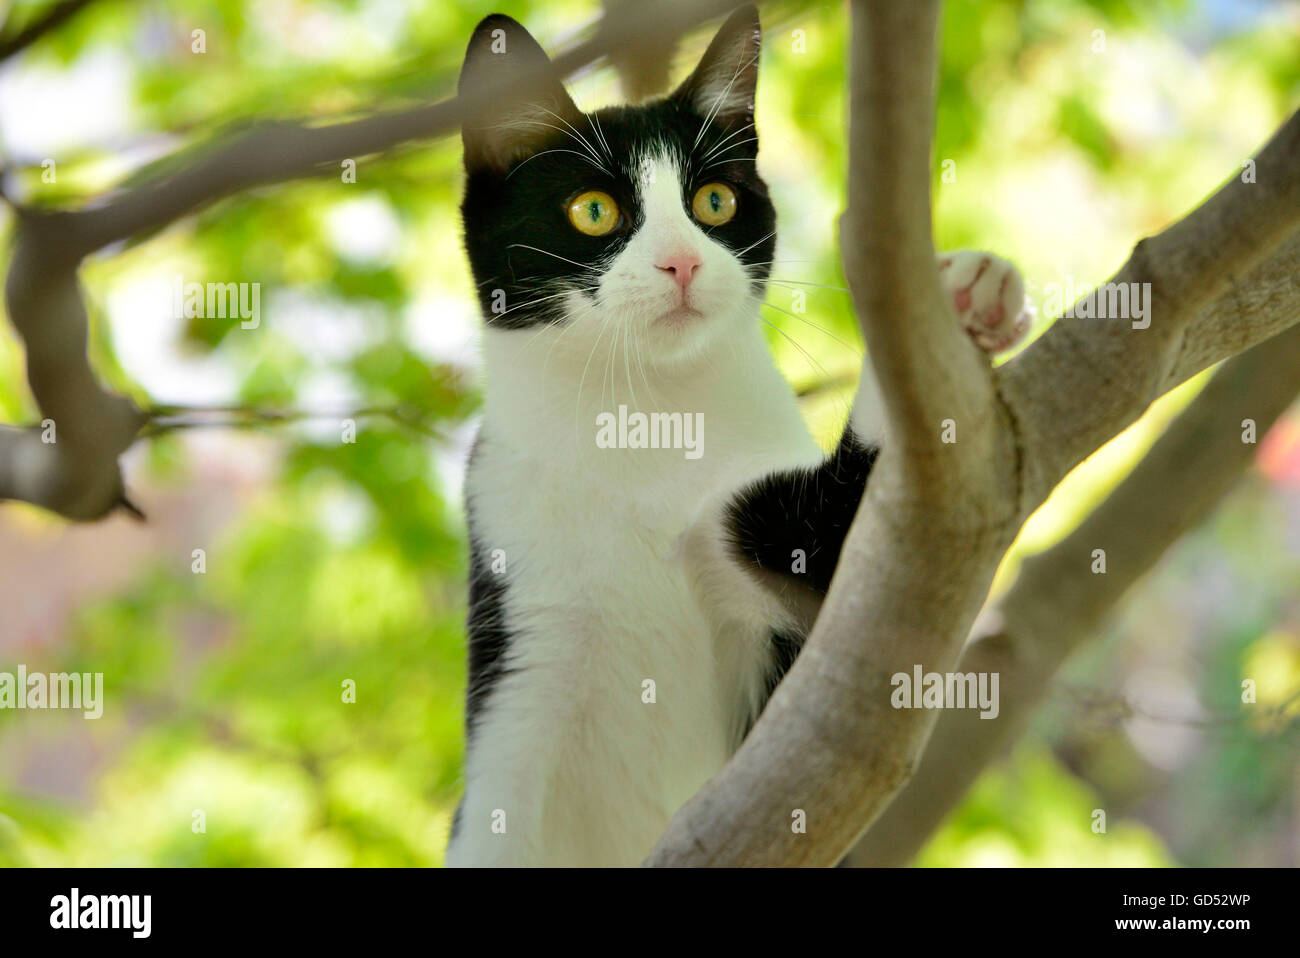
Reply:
x=633, y=605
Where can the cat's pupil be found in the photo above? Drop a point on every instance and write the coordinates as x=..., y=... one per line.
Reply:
x=715, y=201
x=593, y=210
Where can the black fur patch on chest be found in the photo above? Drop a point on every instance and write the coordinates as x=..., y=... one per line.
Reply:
x=792, y=523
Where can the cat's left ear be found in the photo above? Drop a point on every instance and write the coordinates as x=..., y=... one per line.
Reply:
x=526, y=99
x=723, y=84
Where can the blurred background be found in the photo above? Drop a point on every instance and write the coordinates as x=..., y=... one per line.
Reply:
x=1073, y=128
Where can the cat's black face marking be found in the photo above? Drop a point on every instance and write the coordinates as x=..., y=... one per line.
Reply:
x=511, y=218
x=524, y=252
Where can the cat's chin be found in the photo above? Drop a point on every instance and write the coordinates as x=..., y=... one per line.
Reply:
x=680, y=317
x=684, y=336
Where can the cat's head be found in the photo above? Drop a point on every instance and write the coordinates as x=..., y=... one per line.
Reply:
x=647, y=221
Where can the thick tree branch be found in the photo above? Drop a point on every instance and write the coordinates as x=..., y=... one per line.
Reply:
x=1056, y=604
x=1264, y=300
x=924, y=372
x=828, y=743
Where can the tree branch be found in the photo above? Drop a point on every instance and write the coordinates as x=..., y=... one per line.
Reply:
x=16, y=40
x=282, y=151
x=840, y=749
x=642, y=66
x=936, y=518
x=1122, y=369
x=70, y=468
x=1055, y=604
x=924, y=372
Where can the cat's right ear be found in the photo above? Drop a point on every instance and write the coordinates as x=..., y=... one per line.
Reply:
x=724, y=82
x=523, y=99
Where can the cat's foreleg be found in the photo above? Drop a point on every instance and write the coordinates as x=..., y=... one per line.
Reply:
x=791, y=524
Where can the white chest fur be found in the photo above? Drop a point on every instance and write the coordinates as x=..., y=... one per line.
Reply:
x=626, y=684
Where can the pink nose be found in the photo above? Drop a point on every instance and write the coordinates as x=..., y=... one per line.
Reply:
x=681, y=265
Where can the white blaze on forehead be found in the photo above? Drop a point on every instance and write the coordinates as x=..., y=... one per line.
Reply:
x=659, y=186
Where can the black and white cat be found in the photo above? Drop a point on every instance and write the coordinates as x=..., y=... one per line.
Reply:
x=631, y=609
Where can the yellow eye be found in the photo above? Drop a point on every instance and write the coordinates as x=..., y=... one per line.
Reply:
x=714, y=204
x=593, y=212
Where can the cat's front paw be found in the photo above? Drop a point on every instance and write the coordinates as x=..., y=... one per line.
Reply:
x=988, y=295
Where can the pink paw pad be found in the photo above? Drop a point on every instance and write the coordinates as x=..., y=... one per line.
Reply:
x=988, y=297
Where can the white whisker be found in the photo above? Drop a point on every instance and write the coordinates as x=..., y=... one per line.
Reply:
x=627, y=366
x=734, y=146
x=734, y=159
x=718, y=101
x=807, y=355
x=558, y=150
x=532, y=302
x=822, y=329
x=752, y=245
x=594, y=122
x=582, y=381
x=535, y=249
x=717, y=146
x=582, y=139
x=798, y=282
x=654, y=402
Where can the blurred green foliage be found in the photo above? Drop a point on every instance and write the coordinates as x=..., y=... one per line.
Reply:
x=232, y=683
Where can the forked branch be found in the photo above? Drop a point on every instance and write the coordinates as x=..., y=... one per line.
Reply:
x=937, y=518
